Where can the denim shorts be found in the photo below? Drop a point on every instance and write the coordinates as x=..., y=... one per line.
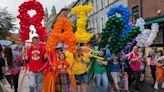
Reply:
x=82, y=78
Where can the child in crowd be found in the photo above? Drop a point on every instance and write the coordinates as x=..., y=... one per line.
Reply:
x=124, y=71
x=143, y=63
x=62, y=82
x=57, y=78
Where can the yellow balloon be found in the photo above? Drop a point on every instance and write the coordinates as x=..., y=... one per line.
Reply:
x=69, y=57
x=81, y=34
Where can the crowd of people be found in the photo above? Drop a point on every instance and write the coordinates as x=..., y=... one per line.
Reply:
x=117, y=71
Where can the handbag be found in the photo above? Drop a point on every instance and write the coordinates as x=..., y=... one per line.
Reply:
x=23, y=81
x=5, y=86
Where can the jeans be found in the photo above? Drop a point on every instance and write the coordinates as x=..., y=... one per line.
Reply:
x=35, y=81
x=104, y=78
x=82, y=78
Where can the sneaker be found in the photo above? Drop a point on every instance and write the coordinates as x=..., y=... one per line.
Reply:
x=162, y=85
x=155, y=86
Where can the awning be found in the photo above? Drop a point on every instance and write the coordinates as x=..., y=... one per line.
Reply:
x=155, y=20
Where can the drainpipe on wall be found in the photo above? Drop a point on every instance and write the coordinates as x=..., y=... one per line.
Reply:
x=141, y=1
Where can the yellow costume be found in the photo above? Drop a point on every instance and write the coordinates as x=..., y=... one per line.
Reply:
x=80, y=67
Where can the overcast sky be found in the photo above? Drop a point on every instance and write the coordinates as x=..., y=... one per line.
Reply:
x=13, y=6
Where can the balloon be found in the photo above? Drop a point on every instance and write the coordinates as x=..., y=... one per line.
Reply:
x=147, y=36
x=125, y=15
x=118, y=30
x=115, y=21
x=57, y=35
x=108, y=53
x=26, y=20
x=81, y=34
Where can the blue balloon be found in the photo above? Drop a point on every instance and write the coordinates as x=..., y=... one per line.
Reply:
x=108, y=53
x=125, y=15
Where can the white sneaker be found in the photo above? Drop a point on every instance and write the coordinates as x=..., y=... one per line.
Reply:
x=156, y=86
x=162, y=85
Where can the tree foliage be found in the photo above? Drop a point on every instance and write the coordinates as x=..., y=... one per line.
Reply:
x=6, y=23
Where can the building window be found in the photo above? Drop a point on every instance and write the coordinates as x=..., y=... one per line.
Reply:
x=101, y=4
x=135, y=13
x=97, y=26
x=101, y=24
x=160, y=37
x=105, y=20
x=93, y=6
x=82, y=1
x=96, y=5
x=111, y=1
x=106, y=2
x=93, y=26
x=135, y=9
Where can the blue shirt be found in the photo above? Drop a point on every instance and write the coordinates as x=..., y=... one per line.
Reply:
x=114, y=67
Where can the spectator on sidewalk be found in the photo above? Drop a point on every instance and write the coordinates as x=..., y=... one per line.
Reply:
x=4, y=84
x=1, y=48
x=152, y=55
x=9, y=64
x=160, y=70
x=16, y=66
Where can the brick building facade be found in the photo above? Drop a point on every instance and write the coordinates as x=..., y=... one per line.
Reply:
x=153, y=12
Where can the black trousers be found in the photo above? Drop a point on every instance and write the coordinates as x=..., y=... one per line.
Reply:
x=135, y=76
x=153, y=72
x=15, y=82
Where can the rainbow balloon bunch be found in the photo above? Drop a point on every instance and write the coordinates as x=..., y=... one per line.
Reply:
x=81, y=34
x=147, y=36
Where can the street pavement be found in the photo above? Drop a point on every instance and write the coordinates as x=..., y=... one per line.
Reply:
x=144, y=87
